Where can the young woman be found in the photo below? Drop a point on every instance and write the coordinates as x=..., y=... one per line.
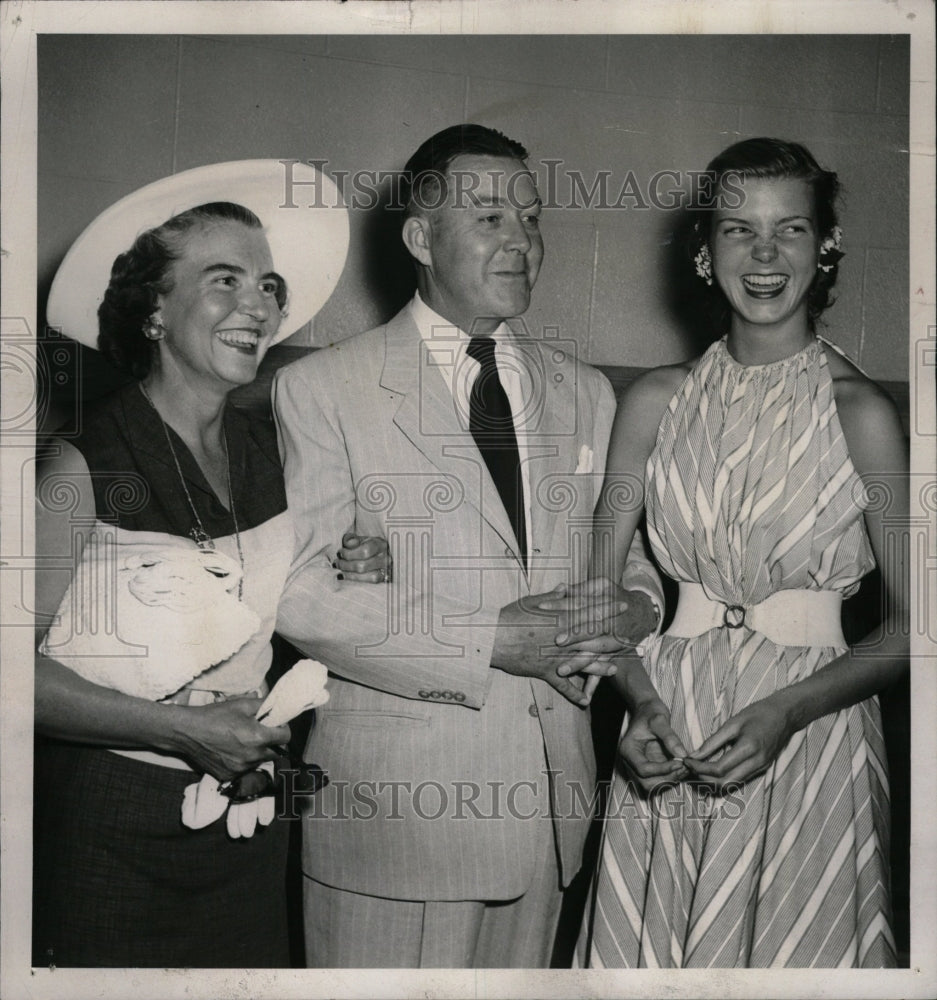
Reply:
x=752, y=829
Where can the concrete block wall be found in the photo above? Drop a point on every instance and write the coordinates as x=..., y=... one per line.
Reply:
x=116, y=112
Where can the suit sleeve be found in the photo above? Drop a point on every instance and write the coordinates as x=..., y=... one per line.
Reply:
x=350, y=626
x=641, y=574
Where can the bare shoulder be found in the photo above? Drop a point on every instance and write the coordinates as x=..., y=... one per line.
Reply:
x=645, y=402
x=63, y=483
x=64, y=498
x=867, y=414
x=663, y=379
x=63, y=460
x=655, y=388
x=65, y=510
x=860, y=402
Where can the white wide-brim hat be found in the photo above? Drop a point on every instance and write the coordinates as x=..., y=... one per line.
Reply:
x=304, y=219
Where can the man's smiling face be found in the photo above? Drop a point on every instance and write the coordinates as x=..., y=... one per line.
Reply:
x=484, y=243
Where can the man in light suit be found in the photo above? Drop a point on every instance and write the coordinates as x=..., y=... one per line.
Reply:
x=457, y=736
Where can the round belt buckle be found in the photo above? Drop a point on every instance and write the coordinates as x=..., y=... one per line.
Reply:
x=733, y=616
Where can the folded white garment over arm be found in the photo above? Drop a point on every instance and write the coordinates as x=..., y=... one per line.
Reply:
x=147, y=618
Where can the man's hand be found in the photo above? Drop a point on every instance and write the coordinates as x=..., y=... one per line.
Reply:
x=602, y=617
x=650, y=749
x=364, y=559
x=524, y=645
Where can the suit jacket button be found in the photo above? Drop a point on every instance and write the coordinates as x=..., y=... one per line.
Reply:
x=532, y=711
x=435, y=694
x=459, y=696
x=424, y=694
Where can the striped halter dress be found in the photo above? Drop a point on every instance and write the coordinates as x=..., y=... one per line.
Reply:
x=750, y=490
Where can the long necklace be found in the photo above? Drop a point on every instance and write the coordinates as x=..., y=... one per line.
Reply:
x=198, y=533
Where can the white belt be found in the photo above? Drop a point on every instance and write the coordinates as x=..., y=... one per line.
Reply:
x=787, y=617
x=153, y=757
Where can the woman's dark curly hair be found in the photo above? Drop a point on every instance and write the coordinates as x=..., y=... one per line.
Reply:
x=768, y=159
x=142, y=273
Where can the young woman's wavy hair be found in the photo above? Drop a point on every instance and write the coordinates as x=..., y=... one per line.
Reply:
x=768, y=159
x=142, y=273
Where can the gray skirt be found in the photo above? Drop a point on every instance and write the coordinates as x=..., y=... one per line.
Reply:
x=120, y=882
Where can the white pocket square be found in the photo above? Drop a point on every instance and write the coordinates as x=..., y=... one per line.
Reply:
x=585, y=460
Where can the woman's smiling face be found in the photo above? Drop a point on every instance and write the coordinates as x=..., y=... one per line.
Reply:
x=221, y=313
x=765, y=253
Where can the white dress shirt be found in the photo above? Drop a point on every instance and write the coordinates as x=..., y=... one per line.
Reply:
x=446, y=344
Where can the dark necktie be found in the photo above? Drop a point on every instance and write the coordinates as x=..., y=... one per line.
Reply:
x=492, y=426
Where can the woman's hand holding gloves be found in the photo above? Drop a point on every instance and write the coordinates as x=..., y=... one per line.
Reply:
x=299, y=689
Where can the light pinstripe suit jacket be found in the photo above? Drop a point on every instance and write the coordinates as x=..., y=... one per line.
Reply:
x=438, y=763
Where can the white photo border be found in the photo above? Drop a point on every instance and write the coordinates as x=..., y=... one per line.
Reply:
x=21, y=23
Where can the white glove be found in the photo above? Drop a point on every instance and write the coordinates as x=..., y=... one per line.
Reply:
x=300, y=688
x=202, y=803
x=243, y=817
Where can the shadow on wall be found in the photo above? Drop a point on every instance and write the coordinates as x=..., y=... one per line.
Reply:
x=70, y=375
x=684, y=299
x=388, y=274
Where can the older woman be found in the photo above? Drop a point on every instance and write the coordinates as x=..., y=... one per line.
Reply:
x=753, y=829
x=155, y=668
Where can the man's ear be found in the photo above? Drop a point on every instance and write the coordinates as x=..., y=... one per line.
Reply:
x=417, y=238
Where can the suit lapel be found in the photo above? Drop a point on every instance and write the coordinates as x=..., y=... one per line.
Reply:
x=427, y=416
x=552, y=441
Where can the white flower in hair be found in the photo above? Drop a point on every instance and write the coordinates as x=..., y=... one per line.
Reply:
x=704, y=264
x=833, y=242
x=831, y=248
